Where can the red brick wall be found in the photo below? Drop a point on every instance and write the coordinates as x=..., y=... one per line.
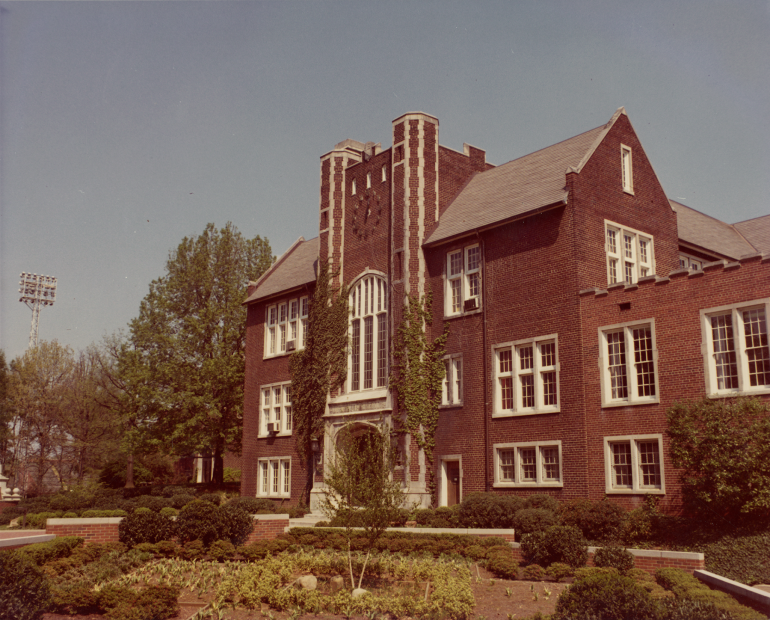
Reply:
x=267, y=529
x=89, y=529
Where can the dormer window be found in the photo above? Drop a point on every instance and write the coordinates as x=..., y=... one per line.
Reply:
x=627, y=171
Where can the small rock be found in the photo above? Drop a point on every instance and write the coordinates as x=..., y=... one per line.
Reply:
x=307, y=582
x=336, y=583
x=359, y=592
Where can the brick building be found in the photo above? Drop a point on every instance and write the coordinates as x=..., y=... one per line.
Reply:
x=581, y=303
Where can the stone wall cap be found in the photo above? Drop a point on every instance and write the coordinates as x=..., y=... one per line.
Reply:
x=723, y=583
x=749, y=257
x=663, y=280
x=271, y=517
x=26, y=540
x=588, y=291
x=86, y=521
x=679, y=272
x=714, y=265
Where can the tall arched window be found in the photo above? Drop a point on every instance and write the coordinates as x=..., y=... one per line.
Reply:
x=368, y=334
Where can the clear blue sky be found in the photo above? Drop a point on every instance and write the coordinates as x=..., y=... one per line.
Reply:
x=125, y=126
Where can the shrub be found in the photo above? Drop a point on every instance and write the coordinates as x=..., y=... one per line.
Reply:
x=322, y=523
x=149, y=527
x=530, y=520
x=199, y=520
x=534, y=572
x=180, y=500
x=70, y=515
x=172, y=490
x=559, y=571
x=501, y=562
x=253, y=505
x=167, y=548
x=89, y=514
x=168, y=511
x=192, y=549
x=475, y=552
x=156, y=504
x=600, y=521
x=687, y=609
x=614, y=557
x=685, y=586
x=741, y=558
x=221, y=550
x=156, y=602
x=234, y=524
x=541, y=501
x=40, y=553
x=211, y=498
x=143, y=510
x=489, y=510
x=560, y=543
x=605, y=596
x=24, y=590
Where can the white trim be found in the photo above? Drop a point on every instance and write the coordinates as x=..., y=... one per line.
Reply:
x=626, y=169
x=627, y=247
x=516, y=374
x=462, y=283
x=285, y=329
x=451, y=386
x=272, y=412
x=518, y=476
x=691, y=262
x=739, y=348
x=443, y=482
x=635, y=466
x=632, y=386
x=368, y=297
x=276, y=474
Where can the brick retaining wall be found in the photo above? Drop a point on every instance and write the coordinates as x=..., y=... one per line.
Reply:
x=267, y=527
x=93, y=530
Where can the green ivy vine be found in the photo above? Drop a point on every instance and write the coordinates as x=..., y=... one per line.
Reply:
x=418, y=371
x=321, y=367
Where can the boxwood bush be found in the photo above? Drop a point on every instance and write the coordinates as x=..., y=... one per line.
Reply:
x=560, y=543
x=489, y=510
x=614, y=557
x=530, y=520
x=149, y=527
x=600, y=521
x=608, y=596
x=24, y=590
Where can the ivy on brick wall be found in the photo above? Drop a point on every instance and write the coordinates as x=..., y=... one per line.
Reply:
x=417, y=373
x=321, y=367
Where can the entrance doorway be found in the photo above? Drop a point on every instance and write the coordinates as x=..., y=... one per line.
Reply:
x=452, y=473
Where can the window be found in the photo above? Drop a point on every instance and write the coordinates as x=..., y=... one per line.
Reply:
x=286, y=327
x=353, y=187
x=528, y=464
x=629, y=254
x=384, y=174
x=274, y=477
x=526, y=377
x=737, y=352
x=628, y=364
x=627, y=171
x=463, y=280
x=275, y=412
x=368, y=180
x=368, y=334
x=452, y=385
x=690, y=262
x=634, y=464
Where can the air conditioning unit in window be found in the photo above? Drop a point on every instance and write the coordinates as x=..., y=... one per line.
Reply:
x=471, y=304
x=272, y=428
x=291, y=345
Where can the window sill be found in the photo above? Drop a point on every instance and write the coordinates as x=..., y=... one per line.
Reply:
x=450, y=406
x=269, y=357
x=519, y=485
x=630, y=192
x=286, y=496
x=449, y=317
x=733, y=393
x=521, y=414
x=630, y=403
x=635, y=491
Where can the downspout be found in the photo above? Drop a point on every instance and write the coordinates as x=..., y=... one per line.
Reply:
x=484, y=357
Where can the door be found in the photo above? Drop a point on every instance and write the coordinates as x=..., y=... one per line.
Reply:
x=453, y=483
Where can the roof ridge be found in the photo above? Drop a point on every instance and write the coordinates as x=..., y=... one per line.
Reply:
x=605, y=130
x=751, y=219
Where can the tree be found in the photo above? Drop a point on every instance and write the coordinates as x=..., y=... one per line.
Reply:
x=359, y=487
x=39, y=381
x=5, y=413
x=723, y=448
x=183, y=365
x=321, y=367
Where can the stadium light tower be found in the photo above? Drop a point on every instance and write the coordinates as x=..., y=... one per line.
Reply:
x=36, y=291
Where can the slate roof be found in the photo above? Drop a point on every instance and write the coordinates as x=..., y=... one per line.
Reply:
x=706, y=232
x=297, y=266
x=757, y=232
x=521, y=186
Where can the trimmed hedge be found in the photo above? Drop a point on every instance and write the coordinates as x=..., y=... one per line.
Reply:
x=607, y=596
x=149, y=527
x=560, y=543
x=40, y=553
x=600, y=521
x=529, y=520
x=489, y=510
x=614, y=557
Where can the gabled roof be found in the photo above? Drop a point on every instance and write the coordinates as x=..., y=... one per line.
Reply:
x=521, y=186
x=296, y=267
x=757, y=232
x=710, y=234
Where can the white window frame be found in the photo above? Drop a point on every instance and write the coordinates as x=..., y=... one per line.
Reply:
x=515, y=378
x=690, y=262
x=266, y=486
x=636, y=487
x=368, y=300
x=452, y=383
x=280, y=326
x=275, y=408
x=384, y=174
x=627, y=262
x=626, y=169
x=540, y=448
x=368, y=180
x=631, y=372
x=742, y=366
x=353, y=187
x=462, y=282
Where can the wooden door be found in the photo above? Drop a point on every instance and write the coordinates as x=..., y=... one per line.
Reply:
x=453, y=482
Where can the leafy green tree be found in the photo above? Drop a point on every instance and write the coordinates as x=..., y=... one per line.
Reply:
x=183, y=364
x=360, y=490
x=5, y=413
x=321, y=367
x=723, y=449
